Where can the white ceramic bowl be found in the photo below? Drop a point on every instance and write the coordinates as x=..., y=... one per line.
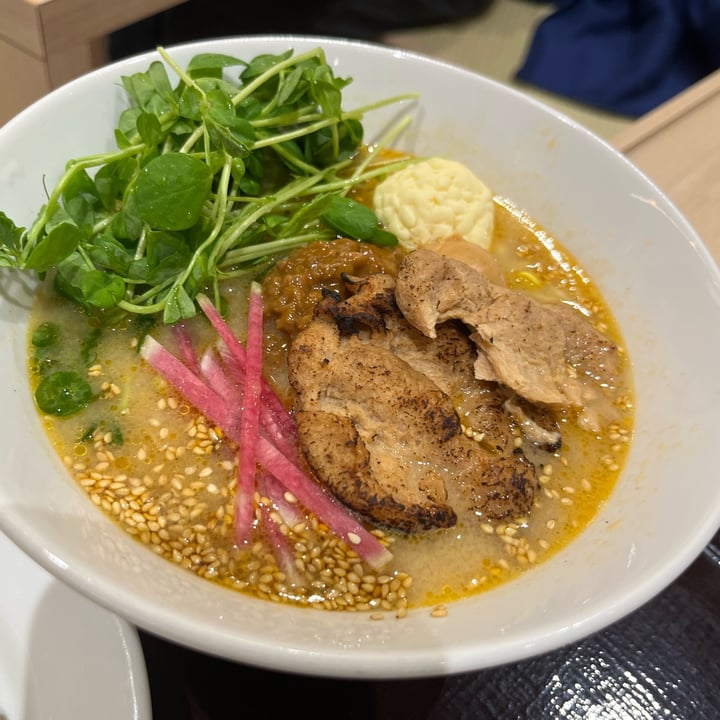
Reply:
x=653, y=269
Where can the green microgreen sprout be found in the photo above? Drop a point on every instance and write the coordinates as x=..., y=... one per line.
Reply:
x=212, y=178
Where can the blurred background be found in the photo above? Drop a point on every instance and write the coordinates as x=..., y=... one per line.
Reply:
x=602, y=62
x=489, y=36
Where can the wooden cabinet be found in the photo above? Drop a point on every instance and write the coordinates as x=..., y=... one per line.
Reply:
x=46, y=43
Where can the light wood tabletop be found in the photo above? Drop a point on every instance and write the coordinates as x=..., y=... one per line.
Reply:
x=677, y=145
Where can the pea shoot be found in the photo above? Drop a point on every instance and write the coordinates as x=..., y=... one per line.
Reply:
x=211, y=179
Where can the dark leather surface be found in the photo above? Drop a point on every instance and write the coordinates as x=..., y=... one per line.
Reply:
x=663, y=661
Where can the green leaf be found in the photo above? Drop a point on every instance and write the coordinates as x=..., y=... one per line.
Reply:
x=190, y=103
x=45, y=335
x=89, y=346
x=127, y=225
x=67, y=279
x=87, y=286
x=139, y=271
x=111, y=426
x=181, y=127
x=121, y=139
x=199, y=276
x=179, y=306
x=101, y=290
x=149, y=128
x=167, y=255
x=383, y=238
x=81, y=209
x=289, y=87
x=80, y=184
x=159, y=78
x=237, y=169
x=236, y=139
x=211, y=64
x=63, y=393
x=112, y=180
x=58, y=244
x=250, y=186
x=306, y=216
x=250, y=108
x=326, y=91
x=127, y=124
x=107, y=253
x=219, y=107
x=350, y=218
x=151, y=90
x=331, y=145
x=171, y=190
x=10, y=233
x=261, y=64
x=82, y=201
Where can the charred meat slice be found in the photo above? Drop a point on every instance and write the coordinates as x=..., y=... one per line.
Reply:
x=382, y=435
x=369, y=477
x=547, y=353
x=371, y=428
x=447, y=359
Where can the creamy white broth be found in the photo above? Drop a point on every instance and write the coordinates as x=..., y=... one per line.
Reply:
x=170, y=482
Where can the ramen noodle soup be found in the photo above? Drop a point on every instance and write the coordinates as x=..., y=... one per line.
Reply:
x=167, y=475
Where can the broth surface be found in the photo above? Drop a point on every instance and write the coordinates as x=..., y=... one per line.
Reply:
x=167, y=476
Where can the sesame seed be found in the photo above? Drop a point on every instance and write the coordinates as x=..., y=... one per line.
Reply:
x=190, y=521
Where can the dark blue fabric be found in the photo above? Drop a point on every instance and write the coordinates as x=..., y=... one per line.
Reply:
x=626, y=56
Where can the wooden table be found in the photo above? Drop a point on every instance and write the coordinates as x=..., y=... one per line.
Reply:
x=678, y=146
x=45, y=43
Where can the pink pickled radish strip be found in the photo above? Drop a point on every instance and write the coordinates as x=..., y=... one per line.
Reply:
x=303, y=488
x=287, y=507
x=278, y=423
x=279, y=413
x=244, y=501
x=250, y=418
x=185, y=347
x=237, y=352
x=280, y=544
x=222, y=328
x=189, y=385
x=213, y=371
x=317, y=501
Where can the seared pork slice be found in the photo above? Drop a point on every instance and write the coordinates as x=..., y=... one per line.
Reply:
x=446, y=359
x=546, y=353
x=384, y=438
x=371, y=428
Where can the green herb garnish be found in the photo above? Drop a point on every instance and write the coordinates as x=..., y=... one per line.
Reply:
x=63, y=393
x=211, y=179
